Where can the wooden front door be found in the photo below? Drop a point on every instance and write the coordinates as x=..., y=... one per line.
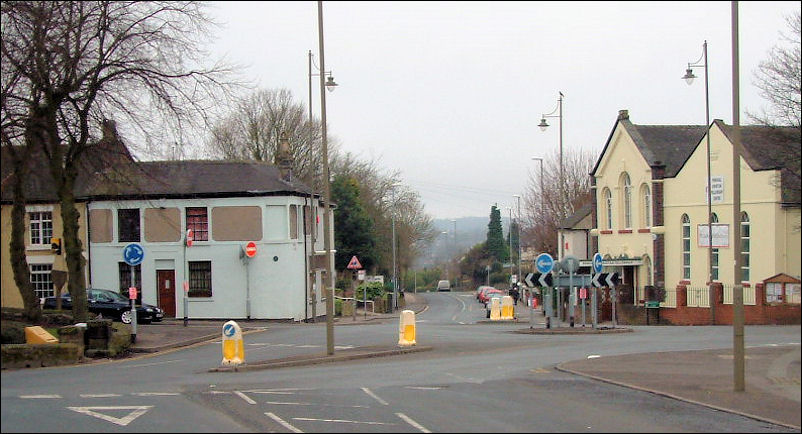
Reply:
x=165, y=279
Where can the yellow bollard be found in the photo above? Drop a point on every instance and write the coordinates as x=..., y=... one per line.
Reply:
x=406, y=329
x=233, y=346
x=507, y=311
x=495, y=309
x=38, y=335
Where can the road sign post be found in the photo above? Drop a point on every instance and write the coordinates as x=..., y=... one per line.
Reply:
x=133, y=254
x=544, y=263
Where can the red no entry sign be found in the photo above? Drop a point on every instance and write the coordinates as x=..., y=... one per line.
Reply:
x=250, y=249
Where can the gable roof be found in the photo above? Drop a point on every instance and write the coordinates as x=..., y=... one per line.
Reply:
x=668, y=146
x=764, y=148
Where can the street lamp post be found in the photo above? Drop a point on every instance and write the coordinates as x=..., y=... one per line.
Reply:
x=509, y=208
x=395, y=281
x=518, y=232
x=447, y=254
x=329, y=284
x=688, y=77
x=543, y=125
x=454, y=254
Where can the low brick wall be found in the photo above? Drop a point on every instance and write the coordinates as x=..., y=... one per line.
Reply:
x=758, y=314
x=40, y=355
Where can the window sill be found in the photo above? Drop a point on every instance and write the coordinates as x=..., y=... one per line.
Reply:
x=38, y=247
x=606, y=232
x=644, y=231
x=625, y=231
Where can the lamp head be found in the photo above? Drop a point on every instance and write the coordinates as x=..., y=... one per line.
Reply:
x=330, y=84
x=688, y=77
x=543, y=124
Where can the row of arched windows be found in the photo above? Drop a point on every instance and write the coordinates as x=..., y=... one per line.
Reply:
x=745, y=248
x=644, y=201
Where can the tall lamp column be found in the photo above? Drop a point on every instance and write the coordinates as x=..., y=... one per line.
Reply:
x=329, y=283
x=543, y=125
x=688, y=77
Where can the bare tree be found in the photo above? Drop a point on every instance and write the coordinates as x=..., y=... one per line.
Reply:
x=252, y=131
x=544, y=209
x=779, y=80
x=78, y=63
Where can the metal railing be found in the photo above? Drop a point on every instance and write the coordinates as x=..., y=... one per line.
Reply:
x=749, y=295
x=698, y=297
x=671, y=298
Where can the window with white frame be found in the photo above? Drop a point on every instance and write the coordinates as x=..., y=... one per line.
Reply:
x=686, y=247
x=626, y=191
x=41, y=225
x=745, y=247
x=608, y=205
x=42, y=280
x=647, y=206
x=774, y=292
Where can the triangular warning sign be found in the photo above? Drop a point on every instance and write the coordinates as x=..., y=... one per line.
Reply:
x=354, y=263
x=137, y=410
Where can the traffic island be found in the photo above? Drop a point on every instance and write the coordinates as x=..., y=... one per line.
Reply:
x=573, y=330
x=318, y=358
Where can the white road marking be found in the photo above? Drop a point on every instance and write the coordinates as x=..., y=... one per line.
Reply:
x=283, y=423
x=593, y=356
x=373, y=395
x=311, y=404
x=137, y=411
x=341, y=421
x=40, y=396
x=157, y=394
x=412, y=422
x=99, y=395
x=142, y=365
x=277, y=390
x=422, y=388
x=244, y=397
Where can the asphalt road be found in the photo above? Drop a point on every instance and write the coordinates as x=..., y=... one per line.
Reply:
x=478, y=377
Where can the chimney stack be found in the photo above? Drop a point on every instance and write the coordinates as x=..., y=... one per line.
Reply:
x=623, y=115
x=284, y=157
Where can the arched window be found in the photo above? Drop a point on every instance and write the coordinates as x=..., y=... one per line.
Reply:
x=686, y=247
x=745, y=247
x=714, y=259
x=647, y=264
x=626, y=200
x=646, y=207
x=608, y=208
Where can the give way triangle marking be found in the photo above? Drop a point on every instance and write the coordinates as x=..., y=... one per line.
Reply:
x=138, y=410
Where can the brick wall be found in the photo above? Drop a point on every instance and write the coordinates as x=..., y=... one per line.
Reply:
x=760, y=313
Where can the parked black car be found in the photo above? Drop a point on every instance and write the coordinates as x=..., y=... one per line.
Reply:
x=110, y=304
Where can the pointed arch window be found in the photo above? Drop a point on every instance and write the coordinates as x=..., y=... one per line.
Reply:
x=686, y=247
x=608, y=207
x=646, y=200
x=626, y=200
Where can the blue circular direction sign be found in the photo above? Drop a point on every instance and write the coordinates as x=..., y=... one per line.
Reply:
x=544, y=263
x=597, y=263
x=229, y=330
x=133, y=254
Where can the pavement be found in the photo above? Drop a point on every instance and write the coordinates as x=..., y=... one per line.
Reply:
x=703, y=377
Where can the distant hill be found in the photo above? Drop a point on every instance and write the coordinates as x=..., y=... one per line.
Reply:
x=470, y=231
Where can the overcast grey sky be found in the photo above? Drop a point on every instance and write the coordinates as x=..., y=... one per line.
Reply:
x=451, y=93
